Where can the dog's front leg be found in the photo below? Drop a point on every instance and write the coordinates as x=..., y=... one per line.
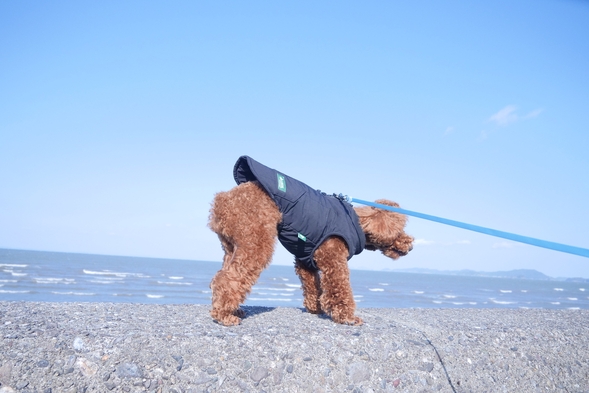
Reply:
x=311, y=288
x=337, y=298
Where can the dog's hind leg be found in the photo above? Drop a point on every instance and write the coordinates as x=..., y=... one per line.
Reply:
x=311, y=287
x=245, y=218
x=234, y=281
x=227, y=296
x=337, y=298
x=229, y=249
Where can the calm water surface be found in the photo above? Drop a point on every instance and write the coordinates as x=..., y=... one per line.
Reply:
x=67, y=277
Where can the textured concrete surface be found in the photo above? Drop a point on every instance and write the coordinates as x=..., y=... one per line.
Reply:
x=103, y=347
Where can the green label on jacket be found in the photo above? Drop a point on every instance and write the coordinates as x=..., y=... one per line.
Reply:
x=281, y=182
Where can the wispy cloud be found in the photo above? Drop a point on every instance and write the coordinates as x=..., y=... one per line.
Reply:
x=505, y=116
x=423, y=242
x=533, y=113
x=449, y=130
x=508, y=115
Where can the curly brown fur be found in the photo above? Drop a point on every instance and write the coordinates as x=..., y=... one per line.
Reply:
x=337, y=299
x=311, y=285
x=245, y=219
x=385, y=230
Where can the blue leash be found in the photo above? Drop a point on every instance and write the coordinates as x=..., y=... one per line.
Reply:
x=506, y=235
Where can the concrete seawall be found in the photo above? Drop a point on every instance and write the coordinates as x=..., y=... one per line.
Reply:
x=105, y=347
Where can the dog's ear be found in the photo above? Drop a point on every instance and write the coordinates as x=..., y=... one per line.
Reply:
x=381, y=226
x=384, y=229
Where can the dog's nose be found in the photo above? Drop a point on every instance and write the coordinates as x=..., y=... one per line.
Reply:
x=410, y=248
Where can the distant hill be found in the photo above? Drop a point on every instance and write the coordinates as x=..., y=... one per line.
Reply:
x=577, y=279
x=526, y=274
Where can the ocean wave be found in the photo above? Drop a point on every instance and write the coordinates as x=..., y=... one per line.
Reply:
x=154, y=296
x=11, y=265
x=8, y=280
x=176, y=278
x=109, y=278
x=279, y=289
x=115, y=274
x=298, y=286
x=418, y=292
x=51, y=280
x=376, y=289
x=383, y=283
x=505, y=290
x=107, y=281
x=17, y=274
x=559, y=289
x=266, y=299
x=274, y=294
x=555, y=303
x=501, y=302
x=572, y=298
x=450, y=296
x=71, y=293
x=9, y=291
x=174, y=283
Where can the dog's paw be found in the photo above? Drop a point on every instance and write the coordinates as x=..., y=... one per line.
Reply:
x=226, y=319
x=229, y=320
x=316, y=310
x=357, y=322
x=351, y=320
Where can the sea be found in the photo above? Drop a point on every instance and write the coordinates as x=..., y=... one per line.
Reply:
x=68, y=277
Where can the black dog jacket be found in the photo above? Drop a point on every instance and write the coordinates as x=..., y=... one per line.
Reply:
x=309, y=216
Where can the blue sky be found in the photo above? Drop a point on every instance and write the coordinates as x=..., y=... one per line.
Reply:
x=119, y=121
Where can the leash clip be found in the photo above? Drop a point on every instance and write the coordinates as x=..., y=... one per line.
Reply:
x=342, y=197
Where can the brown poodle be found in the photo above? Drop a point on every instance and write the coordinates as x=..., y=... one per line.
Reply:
x=248, y=220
